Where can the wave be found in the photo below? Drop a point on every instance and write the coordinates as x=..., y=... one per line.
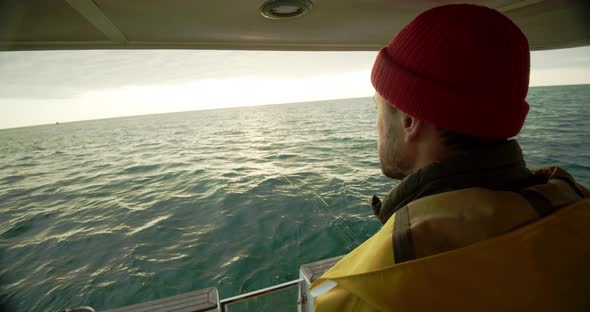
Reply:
x=140, y=169
x=12, y=179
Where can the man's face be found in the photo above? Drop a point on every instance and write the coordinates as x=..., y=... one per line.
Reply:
x=390, y=143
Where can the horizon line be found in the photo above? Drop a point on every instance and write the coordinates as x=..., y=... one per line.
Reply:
x=183, y=111
x=233, y=107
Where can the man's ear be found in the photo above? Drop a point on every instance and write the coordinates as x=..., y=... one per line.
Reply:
x=411, y=127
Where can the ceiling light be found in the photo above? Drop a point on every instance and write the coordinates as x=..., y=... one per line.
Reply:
x=283, y=9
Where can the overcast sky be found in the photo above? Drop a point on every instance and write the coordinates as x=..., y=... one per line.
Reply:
x=49, y=86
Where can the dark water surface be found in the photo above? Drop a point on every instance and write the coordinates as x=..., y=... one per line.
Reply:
x=114, y=212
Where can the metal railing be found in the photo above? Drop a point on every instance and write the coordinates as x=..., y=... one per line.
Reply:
x=84, y=308
x=224, y=302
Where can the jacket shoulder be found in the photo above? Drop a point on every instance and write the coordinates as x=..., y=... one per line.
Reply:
x=456, y=219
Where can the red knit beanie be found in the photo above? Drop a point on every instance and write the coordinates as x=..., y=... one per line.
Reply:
x=464, y=68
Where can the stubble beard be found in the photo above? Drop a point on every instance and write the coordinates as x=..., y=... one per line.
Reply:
x=392, y=161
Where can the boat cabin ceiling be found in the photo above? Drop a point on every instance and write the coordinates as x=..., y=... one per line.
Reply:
x=329, y=25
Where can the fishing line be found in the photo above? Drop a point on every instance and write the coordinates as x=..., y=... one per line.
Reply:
x=336, y=224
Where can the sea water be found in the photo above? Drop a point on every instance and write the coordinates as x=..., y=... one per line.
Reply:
x=114, y=212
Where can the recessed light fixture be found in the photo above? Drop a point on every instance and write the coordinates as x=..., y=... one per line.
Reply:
x=283, y=9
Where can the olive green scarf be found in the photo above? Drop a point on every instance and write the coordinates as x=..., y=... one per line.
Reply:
x=499, y=167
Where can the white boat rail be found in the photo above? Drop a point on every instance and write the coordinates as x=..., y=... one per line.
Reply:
x=207, y=299
x=260, y=292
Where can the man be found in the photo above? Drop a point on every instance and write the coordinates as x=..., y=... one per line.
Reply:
x=469, y=227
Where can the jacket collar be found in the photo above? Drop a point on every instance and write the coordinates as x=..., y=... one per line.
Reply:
x=499, y=167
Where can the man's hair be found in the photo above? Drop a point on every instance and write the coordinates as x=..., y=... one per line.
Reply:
x=462, y=143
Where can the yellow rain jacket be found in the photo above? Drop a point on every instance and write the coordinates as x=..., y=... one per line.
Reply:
x=473, y=249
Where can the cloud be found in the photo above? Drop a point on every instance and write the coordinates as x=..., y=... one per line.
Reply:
x=64, y=74
x=67, y=74
x=563, y=58
x=197, y=95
